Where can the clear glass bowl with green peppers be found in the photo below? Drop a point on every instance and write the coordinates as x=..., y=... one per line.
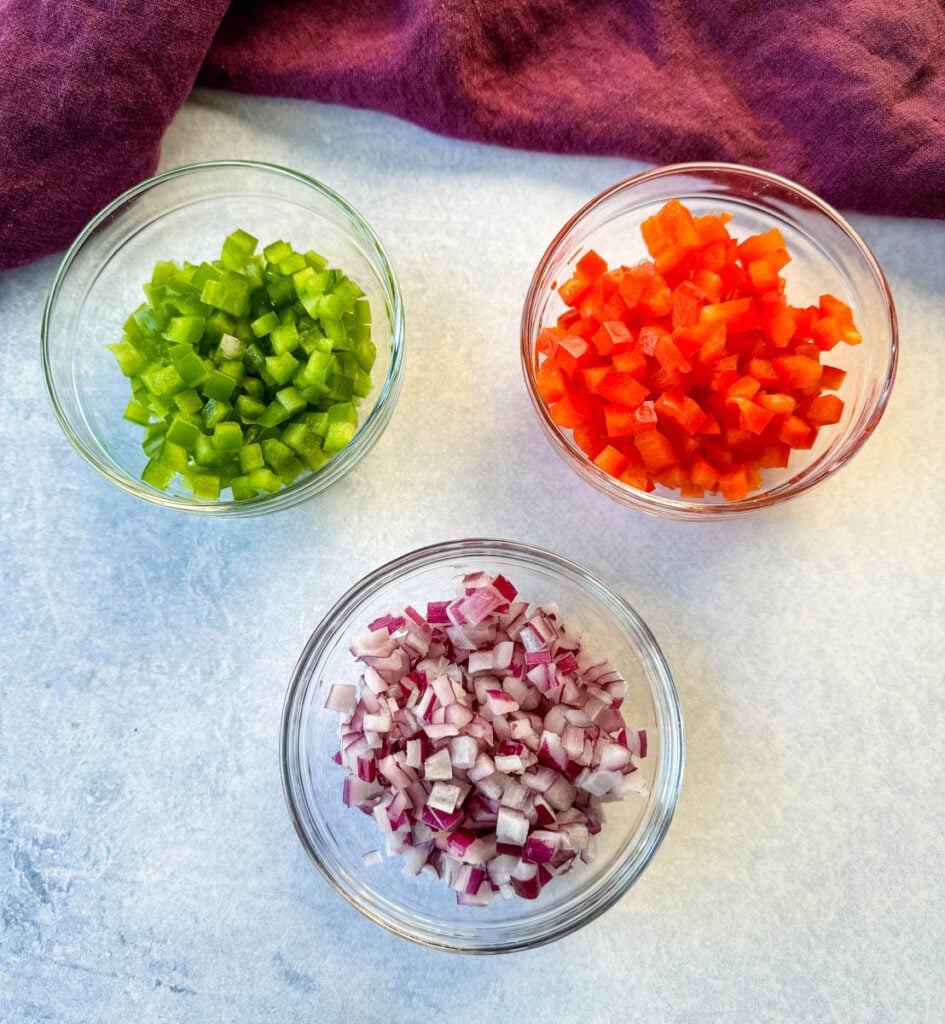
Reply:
x=225, y=338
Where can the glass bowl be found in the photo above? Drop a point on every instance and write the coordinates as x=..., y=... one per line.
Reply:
x=423, y=908
x=184, y=215
x=827, y=256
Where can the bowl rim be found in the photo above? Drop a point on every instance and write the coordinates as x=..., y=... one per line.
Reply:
x=310, y=483
x=664, y=504
x=580, y=908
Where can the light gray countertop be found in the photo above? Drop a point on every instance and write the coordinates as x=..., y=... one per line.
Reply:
x=148, y=868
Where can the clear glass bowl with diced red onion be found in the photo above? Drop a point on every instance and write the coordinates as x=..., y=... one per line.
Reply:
x=482, y=746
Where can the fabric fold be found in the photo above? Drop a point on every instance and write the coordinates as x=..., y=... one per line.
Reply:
x=846, y=97
x=87, y=90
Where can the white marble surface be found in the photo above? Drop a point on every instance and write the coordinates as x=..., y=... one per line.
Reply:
x=148, y=869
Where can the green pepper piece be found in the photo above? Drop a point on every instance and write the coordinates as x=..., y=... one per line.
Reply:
x=130, y=360
x=290, y=399
x=276, y=251
x=336, y=331
x=292, y=264
x=164, y=380
x=316, y=369
x=228, y=436
x=342, y=425
x=218, y=324
x=205, y=454
x=218, y=385
x=189, y=402
x=231, y=347
x=158, y=474
x=251, y=457
x=274, y=414
x=315, y=260
x=340, y=387
x=265, y=324
x=301, y=278
x=237, y=249
x=279, y=290
x=181, y=431
x=163, y=271
x=255, y=388
x=191, y=368
x=234, y=369
x=230, y=293
x=306, y=444
x=241, y=488
x=284, y=338
x=282, y=367
x=173, y=455
x=206, y=486
x=137, y=413
x=281, y=460
x=215, y=411
x=362, y=383
x=264, y=480
x=317, y=422
x=366, y=352
x=248, y=408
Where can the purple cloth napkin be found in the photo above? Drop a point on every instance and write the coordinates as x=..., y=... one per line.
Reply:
x=844, y=96
x=87, y=89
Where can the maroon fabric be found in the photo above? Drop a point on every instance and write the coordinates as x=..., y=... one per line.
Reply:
x=844, y=96
x=87, y=89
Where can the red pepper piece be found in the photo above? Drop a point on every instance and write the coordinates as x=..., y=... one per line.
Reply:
x=587, y=438
x=670, y=236
x=612, y=333
x=832, y=377
x=622, y=388
x=798, y=372
x=757, y=247
x=682, y=410
x=572, y=350
x=550, y=381
x=570, y=411
x=611, y=460
x=825, y=409
x=656, y=450
x=591, y=265
x=733, y=483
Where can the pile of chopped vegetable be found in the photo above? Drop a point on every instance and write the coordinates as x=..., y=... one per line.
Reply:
x=691, y=370
x=247, y=371
x=484, y=741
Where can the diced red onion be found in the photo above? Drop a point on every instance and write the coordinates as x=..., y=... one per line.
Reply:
x=342, y=697
x=484, y=741
x=443, y=797
x=438, y=765
x=464, y=749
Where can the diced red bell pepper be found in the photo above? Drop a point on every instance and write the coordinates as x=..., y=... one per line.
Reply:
x=591, y=265
x=670, y=236
x=612, y=333
x=656, y=450
x=825, y=409
x=611, y=460
x=682, y=410
x=570, y=411
x=622, y=388
x=550, y=381
x=798, y=372
x=691, y=370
